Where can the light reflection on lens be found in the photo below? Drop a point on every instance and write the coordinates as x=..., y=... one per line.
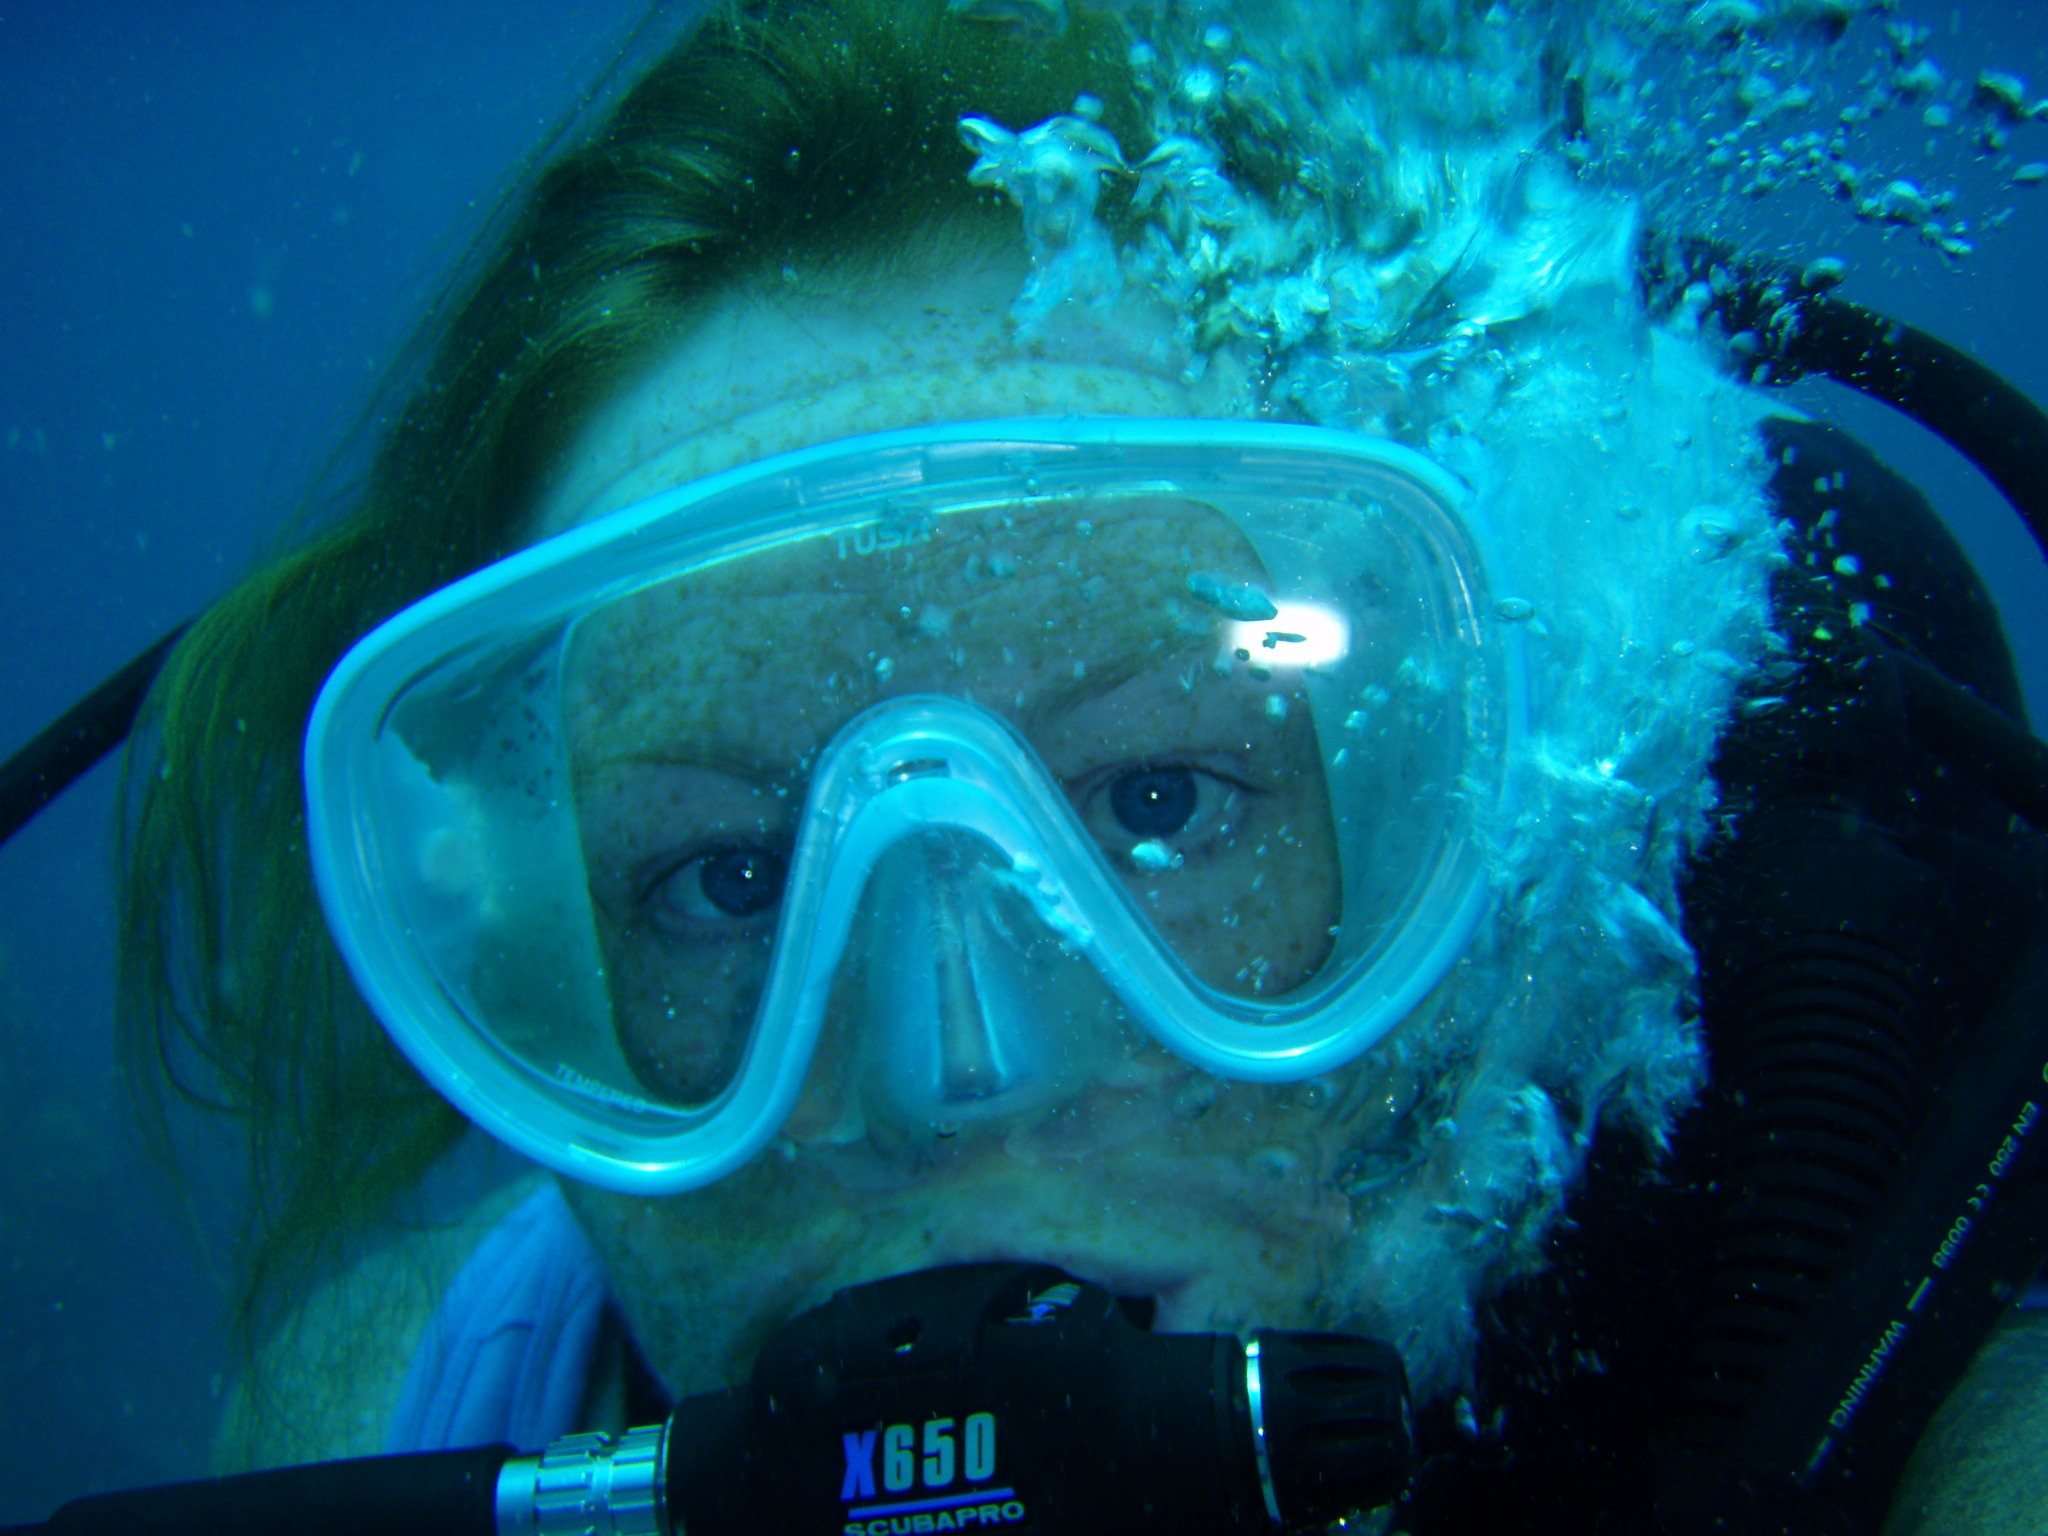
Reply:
x=1299, y=635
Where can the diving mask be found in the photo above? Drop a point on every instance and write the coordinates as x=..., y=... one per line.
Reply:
x=954, y=765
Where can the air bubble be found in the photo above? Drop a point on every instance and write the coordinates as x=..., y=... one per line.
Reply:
x=1239, y=600
x=1053, y=172
x=1713, y=531
x=1824, y=272
x=2003, y=95
x=1199, y=87
x=1901, y=202
x=1153, y=856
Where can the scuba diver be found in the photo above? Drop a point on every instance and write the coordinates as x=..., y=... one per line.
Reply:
x=1153, y=802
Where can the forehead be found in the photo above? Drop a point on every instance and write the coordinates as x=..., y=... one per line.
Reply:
x=765, y=372
x=1028, y=609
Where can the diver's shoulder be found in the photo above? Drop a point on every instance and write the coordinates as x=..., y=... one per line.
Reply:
x=327, y=1380
x=1981, y=1467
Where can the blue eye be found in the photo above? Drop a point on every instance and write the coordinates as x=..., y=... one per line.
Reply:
x=1154, y=802
x=726, y=883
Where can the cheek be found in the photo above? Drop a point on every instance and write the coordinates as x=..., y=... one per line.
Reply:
x=683, y=1012
x=1258, y=924
x=1303, y=896
x=704, y=1277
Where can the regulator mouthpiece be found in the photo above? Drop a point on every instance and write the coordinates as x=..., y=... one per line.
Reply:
x=1014, y=1396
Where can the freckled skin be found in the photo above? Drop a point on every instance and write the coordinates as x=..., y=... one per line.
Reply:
x=698, y=704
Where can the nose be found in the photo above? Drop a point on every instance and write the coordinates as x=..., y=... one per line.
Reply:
x=974, y=1012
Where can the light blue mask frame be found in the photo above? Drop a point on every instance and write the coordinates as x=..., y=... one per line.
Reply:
x=375, y=810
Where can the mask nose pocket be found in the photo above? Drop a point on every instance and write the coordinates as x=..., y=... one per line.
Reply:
x=975, y=1008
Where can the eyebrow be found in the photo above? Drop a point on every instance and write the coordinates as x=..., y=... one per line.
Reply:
x=751, y=768
x=704, y=756
x=1096, y=685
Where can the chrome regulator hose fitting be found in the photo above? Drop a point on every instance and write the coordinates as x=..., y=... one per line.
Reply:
x=589, y=1485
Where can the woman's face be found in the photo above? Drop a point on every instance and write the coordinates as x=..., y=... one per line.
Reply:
x=699, y=705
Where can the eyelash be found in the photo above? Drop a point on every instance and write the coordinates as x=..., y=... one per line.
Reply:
x=649, y=898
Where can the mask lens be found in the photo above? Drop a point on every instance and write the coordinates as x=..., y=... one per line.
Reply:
x=1191, y=761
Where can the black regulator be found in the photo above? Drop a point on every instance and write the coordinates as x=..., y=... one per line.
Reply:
x=981, y=1397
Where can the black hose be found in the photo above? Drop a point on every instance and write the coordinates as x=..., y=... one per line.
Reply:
x=1790, y=324
x=81, y=736
x=1989, y=422
x=1786, y=325
x=433, y=1493
x=1978, y=739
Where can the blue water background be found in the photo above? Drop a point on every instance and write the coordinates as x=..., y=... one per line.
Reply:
x=218, y=221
